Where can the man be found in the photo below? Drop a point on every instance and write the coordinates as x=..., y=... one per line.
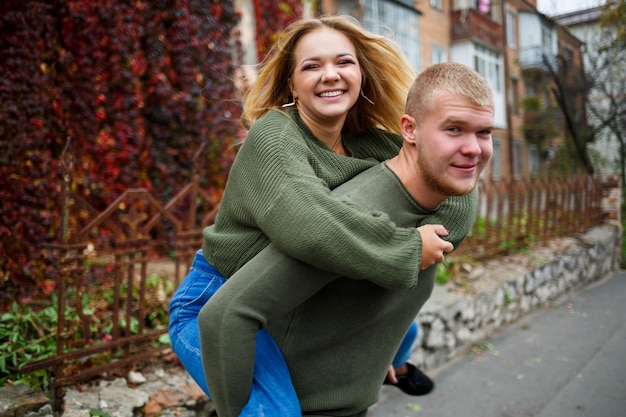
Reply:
x=338, y=335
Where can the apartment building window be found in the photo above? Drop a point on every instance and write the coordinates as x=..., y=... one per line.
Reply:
x=534, y=163
x=487, y=63
x=496, y=159
x=547, y=38
x=511, y=29
x=436, y=4
x=382, y=15
x=439, y=55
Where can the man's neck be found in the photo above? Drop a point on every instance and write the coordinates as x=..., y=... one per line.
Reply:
x=410, y=176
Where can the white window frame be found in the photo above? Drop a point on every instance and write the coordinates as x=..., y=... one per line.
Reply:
x=489, y=64
x=380, y=15
x=436, y=4
x=439, y=54
x=511, y=28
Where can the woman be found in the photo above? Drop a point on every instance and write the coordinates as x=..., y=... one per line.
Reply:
x=314, y=125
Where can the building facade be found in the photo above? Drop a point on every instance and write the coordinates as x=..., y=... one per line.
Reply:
x=610, y=80
x=508, y=41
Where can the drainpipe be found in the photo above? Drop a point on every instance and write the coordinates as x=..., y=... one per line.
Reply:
x=506, y=85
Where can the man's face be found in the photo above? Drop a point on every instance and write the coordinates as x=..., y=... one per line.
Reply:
x=453, y=144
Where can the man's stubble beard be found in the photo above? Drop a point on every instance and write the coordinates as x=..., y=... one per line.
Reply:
x=435, y=181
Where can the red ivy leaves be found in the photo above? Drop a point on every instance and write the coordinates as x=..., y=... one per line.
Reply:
x=137, y=85
x=271, y=18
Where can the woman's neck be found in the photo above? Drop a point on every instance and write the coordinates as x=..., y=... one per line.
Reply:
x=327, y=131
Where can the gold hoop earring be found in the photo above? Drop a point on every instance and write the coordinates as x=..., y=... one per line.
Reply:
x=294, y=101
x=366, y=98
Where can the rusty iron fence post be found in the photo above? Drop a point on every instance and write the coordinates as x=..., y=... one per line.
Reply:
x=113, y=249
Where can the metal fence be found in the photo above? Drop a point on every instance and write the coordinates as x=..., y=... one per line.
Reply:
x=105, y=295
x=107, y=332
x=517, y=214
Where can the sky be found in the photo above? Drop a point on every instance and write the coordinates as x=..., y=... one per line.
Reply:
x=554, y=7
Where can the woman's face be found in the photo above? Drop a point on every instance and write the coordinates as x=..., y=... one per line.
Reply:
x=327, y=77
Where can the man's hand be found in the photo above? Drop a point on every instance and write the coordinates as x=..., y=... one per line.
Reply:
x=391, y=375
x=434, y=248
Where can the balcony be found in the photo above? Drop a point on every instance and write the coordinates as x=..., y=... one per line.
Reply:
x=533, y=58
x=468, y=24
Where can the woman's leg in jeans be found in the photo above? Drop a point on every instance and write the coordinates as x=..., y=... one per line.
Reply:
x=404, y=351
x=272, y=391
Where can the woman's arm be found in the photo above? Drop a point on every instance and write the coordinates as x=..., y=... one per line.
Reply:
x=280, y=184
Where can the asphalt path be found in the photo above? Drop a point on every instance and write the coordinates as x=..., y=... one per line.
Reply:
x=567, y=360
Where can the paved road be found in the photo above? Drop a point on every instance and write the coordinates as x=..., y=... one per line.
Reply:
x=568, y=360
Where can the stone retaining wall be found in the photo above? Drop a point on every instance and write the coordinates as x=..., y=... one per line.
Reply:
x=450, y=323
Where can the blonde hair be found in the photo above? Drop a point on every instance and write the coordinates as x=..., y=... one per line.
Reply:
x=450, y=77
x=386, y=73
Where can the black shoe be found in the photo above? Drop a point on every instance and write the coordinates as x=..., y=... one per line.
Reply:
x=414, y=382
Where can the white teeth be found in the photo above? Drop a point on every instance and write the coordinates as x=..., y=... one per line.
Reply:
x=331, y=94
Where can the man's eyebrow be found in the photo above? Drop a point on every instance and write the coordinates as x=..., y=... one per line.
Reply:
x=453, y=121
x=457, y=121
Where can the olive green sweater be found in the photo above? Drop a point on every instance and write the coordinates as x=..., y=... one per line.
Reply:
x=278, y=190
x=338, y=335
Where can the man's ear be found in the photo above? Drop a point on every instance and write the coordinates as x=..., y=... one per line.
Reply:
x=408, y=127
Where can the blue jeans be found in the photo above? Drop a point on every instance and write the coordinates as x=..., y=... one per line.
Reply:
x=406, y=347
x=272, y=392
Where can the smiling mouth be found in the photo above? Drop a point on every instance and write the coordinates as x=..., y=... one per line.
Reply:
x=331, y=93
x=466, y=168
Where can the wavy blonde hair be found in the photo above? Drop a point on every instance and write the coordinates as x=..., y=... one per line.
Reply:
x=387, y=75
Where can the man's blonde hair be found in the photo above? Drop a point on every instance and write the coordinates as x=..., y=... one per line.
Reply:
x=449, y=77
x=386, y=73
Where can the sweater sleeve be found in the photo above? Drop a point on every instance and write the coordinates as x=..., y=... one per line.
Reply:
x=287, y=197
x=457, y=214
x=264, y=288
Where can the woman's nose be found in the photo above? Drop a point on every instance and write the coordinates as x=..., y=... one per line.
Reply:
x=330, y=73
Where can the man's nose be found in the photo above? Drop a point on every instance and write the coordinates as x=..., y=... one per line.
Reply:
x=471, y=145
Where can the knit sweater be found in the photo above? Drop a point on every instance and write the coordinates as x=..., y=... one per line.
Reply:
x=278, y=190
x=338, y=335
